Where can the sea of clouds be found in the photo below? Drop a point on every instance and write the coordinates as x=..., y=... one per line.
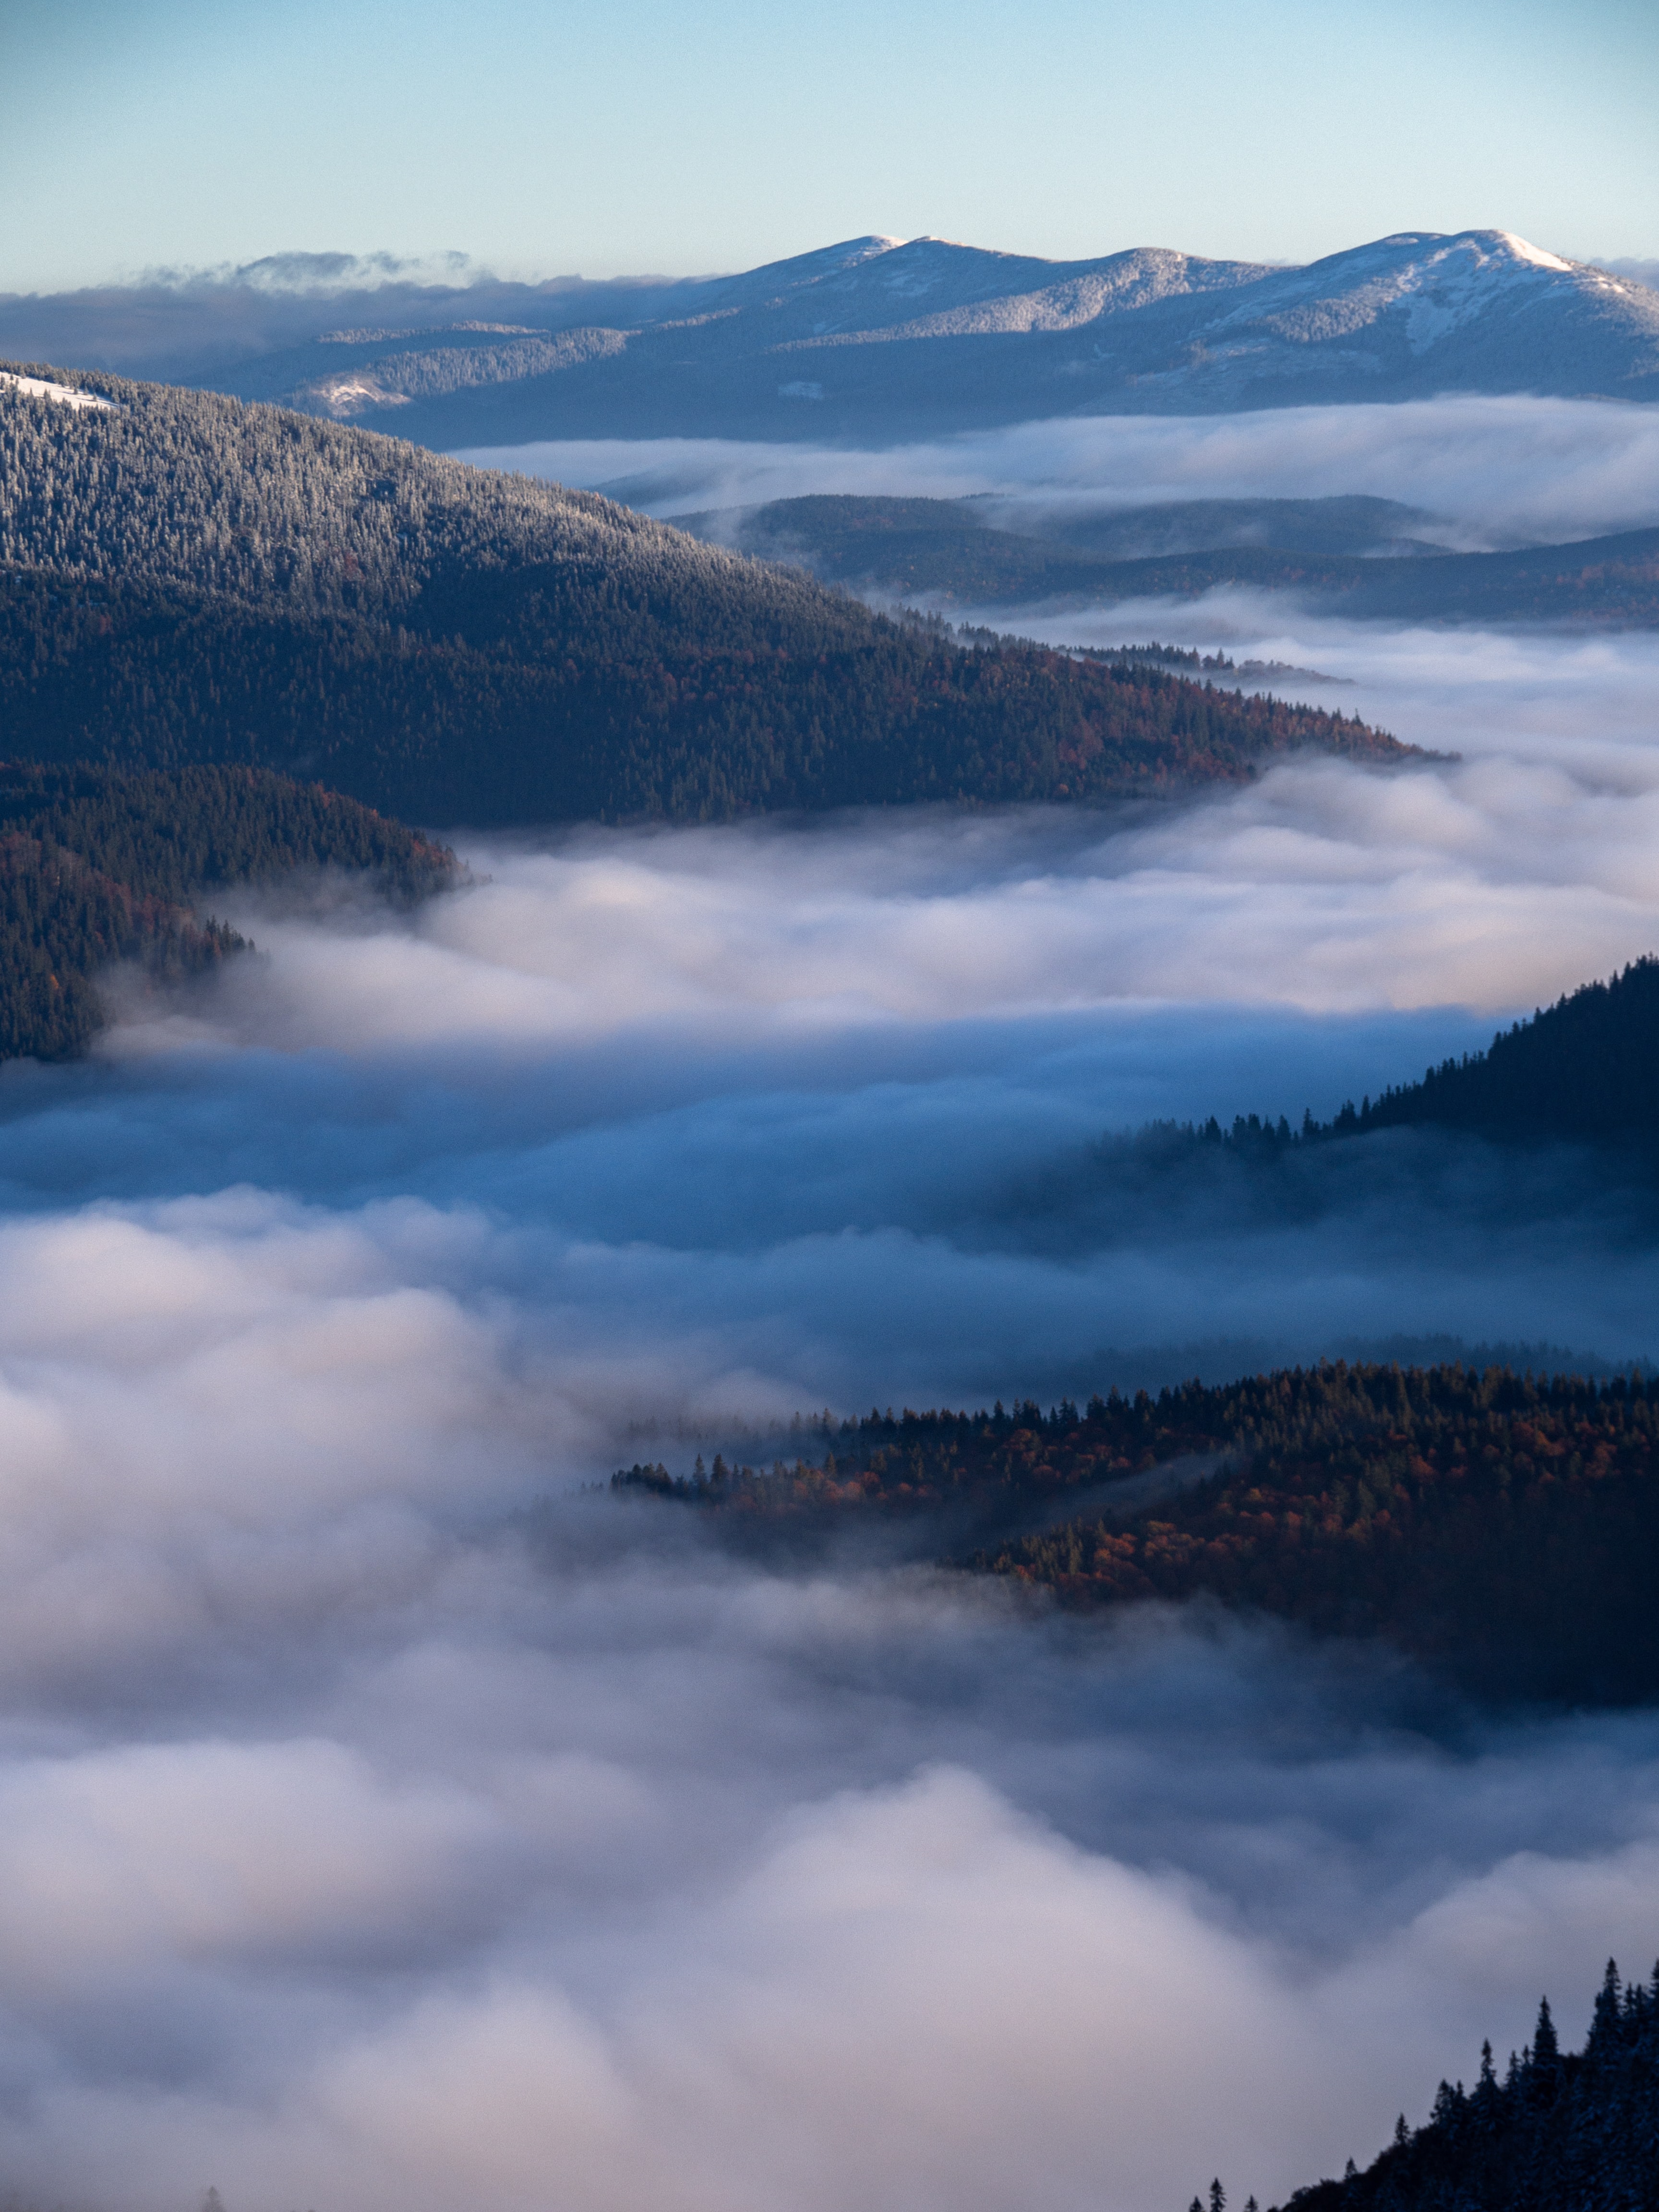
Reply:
x=391, y=1821
x=1498, y=471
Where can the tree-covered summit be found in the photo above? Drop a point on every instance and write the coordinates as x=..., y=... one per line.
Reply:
x=184, y=578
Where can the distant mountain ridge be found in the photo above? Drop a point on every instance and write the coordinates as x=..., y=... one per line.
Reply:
x=879, y=338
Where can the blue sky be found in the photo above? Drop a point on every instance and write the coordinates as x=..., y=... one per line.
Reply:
x=639, y=136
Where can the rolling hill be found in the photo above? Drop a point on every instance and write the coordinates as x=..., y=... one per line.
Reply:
x=1503, y=1528
x=1351, y=556
x=184, y=578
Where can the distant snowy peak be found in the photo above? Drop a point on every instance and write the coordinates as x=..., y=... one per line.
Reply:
x=774, y=281
x=1085, y=292
x=1414, y=289
x=1419, y=291
x=964, y=291
x=935, y=287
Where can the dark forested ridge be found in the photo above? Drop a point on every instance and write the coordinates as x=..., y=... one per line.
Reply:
x=1556, y=2131
x=1503, y=1527
x=1585, y=1069
x=948, y=551
x=97, y=865
x=186, y=579
x=981, y=547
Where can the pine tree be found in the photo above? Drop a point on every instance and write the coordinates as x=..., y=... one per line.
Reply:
x=1546, y=2055
x=1604, y=2021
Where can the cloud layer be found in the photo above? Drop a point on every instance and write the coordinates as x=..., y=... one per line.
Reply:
x=375, y=1833
x=1507, y=471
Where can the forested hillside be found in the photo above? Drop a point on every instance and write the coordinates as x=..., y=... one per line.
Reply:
x=188, y=579
x=97, y=865
x=1586, y=1068
x=1556, y=2131
x=1503, y=1527
x=1584, y=1071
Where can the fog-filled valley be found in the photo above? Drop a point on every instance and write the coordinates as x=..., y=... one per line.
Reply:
x=398, y=1813
x=1507, y=469
x=391, y=1819
x=829, y=1108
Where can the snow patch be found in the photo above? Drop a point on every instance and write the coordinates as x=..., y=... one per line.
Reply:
x=1525, y=251
x=352, y=390
x=67, y=395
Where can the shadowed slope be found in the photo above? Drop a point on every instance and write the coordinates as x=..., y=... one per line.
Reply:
x=97, y=866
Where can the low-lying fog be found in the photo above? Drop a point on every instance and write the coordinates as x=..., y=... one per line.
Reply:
x=1504, y=471
x=389, y=1823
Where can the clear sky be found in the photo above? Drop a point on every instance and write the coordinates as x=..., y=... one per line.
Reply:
x=625, y=136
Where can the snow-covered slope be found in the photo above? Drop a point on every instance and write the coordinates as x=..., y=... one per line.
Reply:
x=41, y=387
x=877, y=338
x=1481, y=309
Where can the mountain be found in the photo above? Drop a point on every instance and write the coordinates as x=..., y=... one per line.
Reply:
x=876, y=339
x=97, y=866
x=184, y=578
x=1354, y=556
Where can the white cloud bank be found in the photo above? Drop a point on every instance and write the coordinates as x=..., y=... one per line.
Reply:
x=1508, y=470
x=364, y=1844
